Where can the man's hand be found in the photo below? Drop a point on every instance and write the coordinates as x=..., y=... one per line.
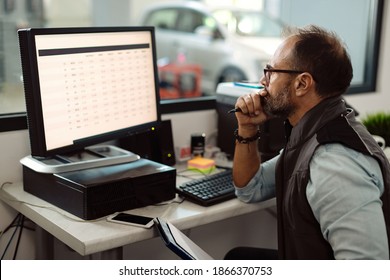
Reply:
x=252, y=113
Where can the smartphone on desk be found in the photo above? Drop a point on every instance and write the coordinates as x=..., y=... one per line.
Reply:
x=131, y=220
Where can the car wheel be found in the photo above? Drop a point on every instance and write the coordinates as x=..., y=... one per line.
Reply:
x=231, y=75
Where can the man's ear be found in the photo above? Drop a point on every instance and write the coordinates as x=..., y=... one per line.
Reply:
x=304, y=83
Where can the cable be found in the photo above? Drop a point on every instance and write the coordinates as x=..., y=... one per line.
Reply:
x=172, y=201
x=21, y=225
x=10, y=225
x=5, y=183
x=12, y=236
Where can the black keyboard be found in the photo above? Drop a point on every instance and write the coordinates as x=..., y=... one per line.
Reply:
x=209, y=190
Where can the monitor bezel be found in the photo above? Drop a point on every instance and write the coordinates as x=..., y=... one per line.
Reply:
x=33, y=92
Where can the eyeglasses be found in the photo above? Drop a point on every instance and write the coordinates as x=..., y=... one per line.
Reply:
x=268, y=71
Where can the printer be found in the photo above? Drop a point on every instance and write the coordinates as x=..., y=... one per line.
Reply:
x=99, y=191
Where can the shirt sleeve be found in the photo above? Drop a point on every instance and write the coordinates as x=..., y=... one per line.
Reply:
x=262, y=186
x=344, y=193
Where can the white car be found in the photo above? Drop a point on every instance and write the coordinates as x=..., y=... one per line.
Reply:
x=228, y=44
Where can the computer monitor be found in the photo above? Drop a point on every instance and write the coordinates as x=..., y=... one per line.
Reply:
x=85, y=86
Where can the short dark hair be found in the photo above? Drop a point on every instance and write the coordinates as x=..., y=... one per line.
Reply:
x=322, y=53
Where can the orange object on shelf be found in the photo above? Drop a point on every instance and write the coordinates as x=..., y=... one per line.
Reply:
x=179, y=81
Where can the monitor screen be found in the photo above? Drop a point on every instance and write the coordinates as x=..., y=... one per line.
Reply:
x=85, y=86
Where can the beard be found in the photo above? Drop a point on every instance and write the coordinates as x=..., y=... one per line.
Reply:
x=278, y=105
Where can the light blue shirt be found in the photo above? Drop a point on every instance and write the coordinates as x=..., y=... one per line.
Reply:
x=350, y=215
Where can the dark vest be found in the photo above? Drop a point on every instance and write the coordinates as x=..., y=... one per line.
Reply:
x=299, y=233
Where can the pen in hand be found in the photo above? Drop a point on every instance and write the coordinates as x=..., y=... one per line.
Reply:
x=234, y=110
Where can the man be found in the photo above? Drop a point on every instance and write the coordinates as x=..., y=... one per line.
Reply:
x=331, y=181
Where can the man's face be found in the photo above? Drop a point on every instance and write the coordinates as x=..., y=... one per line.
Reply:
x=277, y=96
x=278, y=102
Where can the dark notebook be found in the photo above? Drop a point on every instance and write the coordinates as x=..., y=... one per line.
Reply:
x=179, y=243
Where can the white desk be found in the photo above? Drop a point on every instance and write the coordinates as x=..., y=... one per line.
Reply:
x=89, y=237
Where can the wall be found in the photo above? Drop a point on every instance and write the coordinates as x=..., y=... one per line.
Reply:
x=184, y=124
x=14, y=146
x=110, y=13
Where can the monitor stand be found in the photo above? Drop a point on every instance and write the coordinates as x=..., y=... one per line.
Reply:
x=90, y=157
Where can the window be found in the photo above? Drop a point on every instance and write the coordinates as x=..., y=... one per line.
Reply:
x=357, y=22
x=189, y=21
x=249, y=23
x=164, y=19
x=361, y=32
